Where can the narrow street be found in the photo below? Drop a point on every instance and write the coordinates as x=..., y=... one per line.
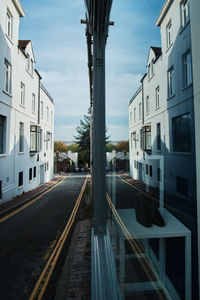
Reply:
x=27, y=238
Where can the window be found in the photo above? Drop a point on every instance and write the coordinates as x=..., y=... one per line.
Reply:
x=20, y=181
x=33, y=103
x=34, y=172
x=148, y=71
x=169, y=34
x=47, y=114
x=182, y=185
x=170, y=81
x=181, y=133
x=140, y=111
x=187, y=69
x=158, y=174
x=150, y=171
x=35, y=144
x=158, y=137
x=147, y=169
x=7, y=68
x=130, y=121
x=9, y=24
x=31, y=66
x=30, y=174
x=21, y=137
x=152, y=67
x=147, y=105
x=145, y=140
x=185, y=12
x=2, y=134
x=157, y=97
x=52, y=118
x=0, y=189
x=47, y=165
x=22, y=94
x=41, y=109
x=28, y=62
x=134, y=115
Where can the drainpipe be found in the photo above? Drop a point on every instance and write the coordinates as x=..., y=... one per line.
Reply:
x=99, y=153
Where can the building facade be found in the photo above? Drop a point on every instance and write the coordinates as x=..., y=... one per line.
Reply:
x=26, y=111
x=162, y=128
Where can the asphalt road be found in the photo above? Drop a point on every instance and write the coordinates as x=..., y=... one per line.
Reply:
x=27, y=238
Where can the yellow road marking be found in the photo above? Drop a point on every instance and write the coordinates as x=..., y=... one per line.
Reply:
x=135, y=247
x=45, y=276
x=29, y=203
x=136, y=188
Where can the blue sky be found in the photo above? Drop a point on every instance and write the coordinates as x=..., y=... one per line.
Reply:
x=59, y=45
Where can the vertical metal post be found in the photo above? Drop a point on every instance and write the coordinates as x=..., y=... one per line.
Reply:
x=99, y=154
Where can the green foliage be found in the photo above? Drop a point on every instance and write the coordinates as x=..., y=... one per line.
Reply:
x=60, y=146
x=73, y=147
x=122, y=146
x=110, y=147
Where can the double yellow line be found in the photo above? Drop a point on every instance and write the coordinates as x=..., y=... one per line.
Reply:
x=45, y=276
x=135, y=247
x=29, y=203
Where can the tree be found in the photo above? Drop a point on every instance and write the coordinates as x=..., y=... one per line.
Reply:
x=110, y=147
x=73, y=147
x=60, y=146
x=82, y=139
x=122, y=146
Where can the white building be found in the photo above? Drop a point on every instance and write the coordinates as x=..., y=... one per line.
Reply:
x=161, y=123
x=26, y=111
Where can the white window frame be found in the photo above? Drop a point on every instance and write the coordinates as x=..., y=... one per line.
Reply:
x=47, y=114
x=9, y=24
x=170, y=82
x=22, y=94
x=152, y=67
x=42, y=109
x=134, y=114
x=169, y=34
x=185, y=13
x=7, y=68
x=147, y=105
x=187, y=68
x=158, y=97
x=140, y=111
x=21, y=137
x=149, y=71
x=33, y=103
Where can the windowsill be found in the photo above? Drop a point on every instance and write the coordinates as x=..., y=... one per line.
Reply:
x=22, y=106
x=33, y=113
x=30, y=181
x=170, y=97
x=158, y=151
x=29, y=73
x=169, y=47
x=21, y=153
x=8, y=94
x=9, y=38
x=181, y=153
x=3, y=155
x=20, y=187
x=187, y=86
x=147, y=114
x=158, y=107
x=183, y=27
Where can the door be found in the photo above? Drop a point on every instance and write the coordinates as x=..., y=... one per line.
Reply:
x=41, y=174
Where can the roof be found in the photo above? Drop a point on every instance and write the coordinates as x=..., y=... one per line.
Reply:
x=157, y=51
x=19, y=8
x=135, y=95
x=163, y=12
x=23, y=43
x=46, y=92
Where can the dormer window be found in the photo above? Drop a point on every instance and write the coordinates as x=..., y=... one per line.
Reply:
x=9, y=24
x=185, y=12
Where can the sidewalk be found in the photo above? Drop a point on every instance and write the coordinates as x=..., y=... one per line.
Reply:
x=154, y=192
x=21, y=199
